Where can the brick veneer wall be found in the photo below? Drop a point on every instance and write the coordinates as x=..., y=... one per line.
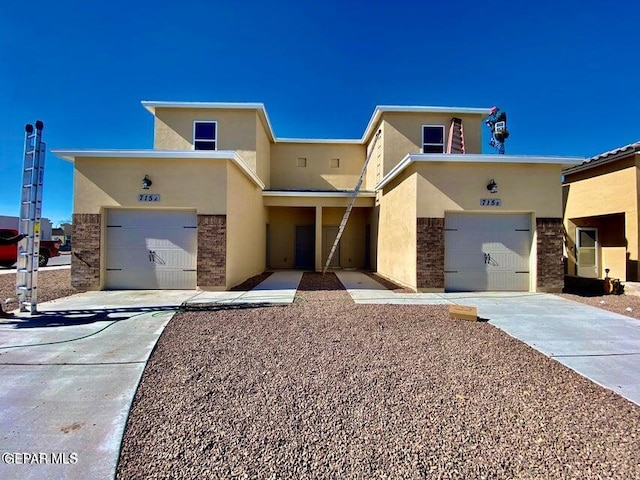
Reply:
x=85, y=259
x=430, y=253
x=212, y=250
x=550, y=233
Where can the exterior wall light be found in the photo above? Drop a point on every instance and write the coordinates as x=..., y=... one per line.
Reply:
x=146, y=182
x=492, y=186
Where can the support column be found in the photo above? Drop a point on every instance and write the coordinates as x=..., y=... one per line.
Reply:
x=212, y=251
x=85, y=261
x=430, y=254
x=550, y=270
x=319, y=258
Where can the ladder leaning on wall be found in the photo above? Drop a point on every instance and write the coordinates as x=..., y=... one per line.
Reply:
x=456, y=136
x=352, y=200
x=30, y=215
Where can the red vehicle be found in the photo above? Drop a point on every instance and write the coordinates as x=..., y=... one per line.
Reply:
x=9, y=253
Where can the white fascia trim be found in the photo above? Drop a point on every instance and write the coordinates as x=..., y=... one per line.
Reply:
x=152, y=105
x=351, y=141
x=70, y=155
x=293, y=193
x=380, y=109
x=474, y=158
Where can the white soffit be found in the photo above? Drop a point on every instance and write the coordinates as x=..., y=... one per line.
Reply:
x=474, y=158
x=302, y=193
x=232, y=155
x=350, y=141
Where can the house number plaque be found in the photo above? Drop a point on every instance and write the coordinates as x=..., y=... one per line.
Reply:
x=148, y=197
x=490, y=202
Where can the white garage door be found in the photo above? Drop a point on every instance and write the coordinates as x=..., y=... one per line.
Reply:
x=487, y=252
x=151, y=249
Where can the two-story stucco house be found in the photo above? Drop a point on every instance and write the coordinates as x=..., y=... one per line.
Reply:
x=601, y=198
x=220, y=198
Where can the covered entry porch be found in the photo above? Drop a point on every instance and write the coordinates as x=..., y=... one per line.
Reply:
x=595, y=244
x=302, y=227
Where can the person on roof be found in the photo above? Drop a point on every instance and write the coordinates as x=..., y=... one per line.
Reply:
x=497, y=123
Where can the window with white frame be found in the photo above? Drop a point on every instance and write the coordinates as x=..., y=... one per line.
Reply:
x=205, y=135
x=433, y=139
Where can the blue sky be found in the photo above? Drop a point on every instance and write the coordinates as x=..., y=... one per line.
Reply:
x=567, y=73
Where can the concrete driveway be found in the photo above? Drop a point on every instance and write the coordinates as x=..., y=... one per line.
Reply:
x=598, y=344
x=69, y=375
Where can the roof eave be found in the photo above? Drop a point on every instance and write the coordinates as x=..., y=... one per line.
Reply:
x=473, y=158
x=259, y=107
x=234, y=156
x=381, y=109
x=605, y=158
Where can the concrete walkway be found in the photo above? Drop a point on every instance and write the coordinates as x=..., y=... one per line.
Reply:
x=364, y=289
x=600, y=345
x=278, y=289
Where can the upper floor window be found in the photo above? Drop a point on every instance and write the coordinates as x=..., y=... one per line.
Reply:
x=433, y=139
x=205, y=135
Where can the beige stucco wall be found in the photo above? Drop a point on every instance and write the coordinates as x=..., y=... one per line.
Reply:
x=282, y=233
x=318, y=174
x=376, y=162
x=237, y=130
x=246, y=228
x=117, y=182
x=263, y=154
x=610, y=189
x=396, y=233
x=602, y=193
x=445, y=187
x=403, y=133
x=352, y=242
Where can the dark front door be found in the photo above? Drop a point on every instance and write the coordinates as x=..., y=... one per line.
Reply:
x=305, y=247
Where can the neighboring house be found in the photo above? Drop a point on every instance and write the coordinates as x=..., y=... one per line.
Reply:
x=601, y=214
x=220, y=198
x=57, y=234
x=67, y=228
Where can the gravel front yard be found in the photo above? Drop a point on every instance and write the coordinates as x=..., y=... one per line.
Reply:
x=325, y=388
x=52, y=284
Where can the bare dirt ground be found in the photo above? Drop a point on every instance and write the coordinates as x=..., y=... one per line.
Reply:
x=628, y=305
x=388, y=284
x=52, y=284
x=251, y=283
x=325, y=388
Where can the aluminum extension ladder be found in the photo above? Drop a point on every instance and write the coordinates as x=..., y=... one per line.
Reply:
x=30, y=215
x=354, y=195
